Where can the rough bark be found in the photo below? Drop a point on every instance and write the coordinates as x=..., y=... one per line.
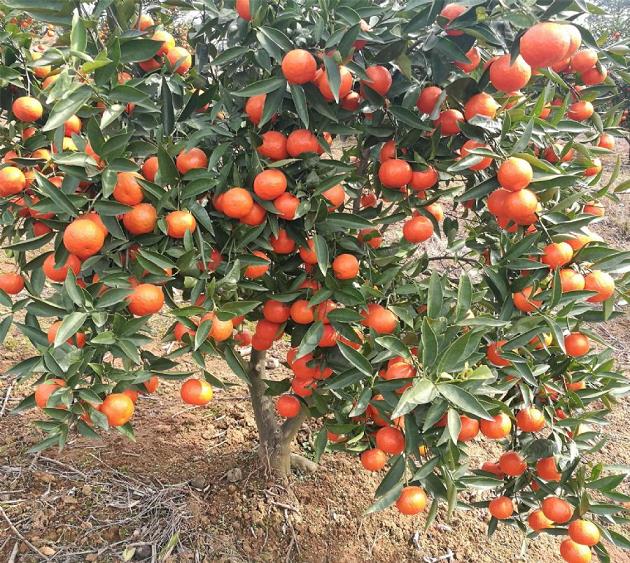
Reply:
x=275, y=439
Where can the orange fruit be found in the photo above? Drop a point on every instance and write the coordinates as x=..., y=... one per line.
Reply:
x=474, y=57
x=288, y=406
x=307, y=254
x=374, y=459
x=190, y=160
x=152, y=384
x=494, y=468
x=168, y=41
x=371, y=237
x=283, y=243
x=520, y=205
x=72, y=125
x=557, y=510
x=469, y=428
x=27, y=109
x=219, y=330
x=11, y=284
x=412, y=500
x=301, y=141
x=544, y=44
x=557, y=254
x=254, y=108
x=424, y=179
x=584, y=532
x=179, y=60
x=380, y=319
x=417, y=229
x=523, y=300
x=44, y=390
x=481, y=104
x=127, y=189
x=329, y=337
x=83, y=238
x=270, y=184
x=584, y=60
x=275, y=311
x=594, y=169
x=575, y=38
x=96, y=219
x=497, y=428
x=580, y=111
x=379, y=79
x=493, y=353
x=606, y=141
x=507, y=77
x=538, y=521
x=512, y=464
x=594, y=76
x=299, y=66
x=286, y=204
x=436, y=210
x=496, y=201
x=146, y=299
x=573, y=552
x=428, y=98
x=594, y=208
x=141, y=219
x=274, y=145
x=451, y=12
x=570, y=280
x=530, y=419
x=236, y=203
x=501, y=507
x=351, y=102
x=256, y=216
x=390, y=440
x=301, y=312
x=552, y=154
x=303, y=387
x=514, y=174
x=118, y=408
x=546, y=469
x=448, y=122
x=345, y=84
x=243, y=9
x=336, y=196
x=470, y=145
x=395, y=173
x=57, y=272
x=12, y=181
x=145, y=21
x=196, y=392
x=602, y=283
x=178, y=223
x=345, y=267
x=257, y=270
x=577, y=344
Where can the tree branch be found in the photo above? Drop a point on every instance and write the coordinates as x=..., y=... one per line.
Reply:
x=262, y=404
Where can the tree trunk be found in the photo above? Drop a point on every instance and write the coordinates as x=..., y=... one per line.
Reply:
x=275, y=438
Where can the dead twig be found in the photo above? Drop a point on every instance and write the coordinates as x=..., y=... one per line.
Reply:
x=19, y=535
x=6, y=399
x=64, y=465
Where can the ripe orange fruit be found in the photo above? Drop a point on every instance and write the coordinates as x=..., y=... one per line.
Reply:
x=286, y=204
x=336, y=196
x=379, y=79
x=594, y=208
x=557, y=510
x=412, y=500
x=269, y=184
x=474, y=57
x=27, y=109
x=501, y=507
x=44, y=390
x=72, y=125
x=191, y=160
x=254, y=108
x=507, y=77
x=307, y=254
x=511, y=463
x=145, y=21
x=493, y=353
x=283, y=243
x=301, y=141
x=299, y=66
x=219, y=330
x=274, y=145
x=573, y=552
x=141, y=219
x=275, y=311
x=594, y=169
x=118, y=408
x=602, y=283
x=530, y=419
x=146, y=299
x=371, y=237
x=469, y=428
x=11, y=284
x=584, y=60
x=345, y=267
x=523, y=300
x=390, y=440
x=380, y=319
x=448, y=122
x=577, y=344
x=127, y=189
x=351, y=102
x=178, y=223
x=57, y=272
x=481, y=104
x=236, y=203
x=301, y=312
x=544, y=44
x=538, y=521
x=520, y=205
x=594, y=76
x=83, y=238
x=584, y=532
x=580, y=111
x=570, y=280
x=288, y=406
x=428, y=98
x=494, y=468
x=546, y=469
x=606, y=141
x=557, y=254
x=179, y=60
x=255, y=217
x=424, y=179
x=436, y=210
x=243, y=9
x=417, y=229
x=514, y=174
x=12, y=181
x=345, y=84
x=303, y=387
x=496, y=201
x=168, y=41
x=395, y=173
x=374, y=459
x=451, y=12
x=575, y=38
x=152, y=384
x=470, y=145
x=196, y=392
x=497, y=428
x=257, y=270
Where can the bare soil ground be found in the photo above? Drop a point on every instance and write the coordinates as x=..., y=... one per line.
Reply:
x=189, y=488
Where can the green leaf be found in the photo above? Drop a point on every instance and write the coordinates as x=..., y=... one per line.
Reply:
x=311, y=339
x=356, y=359
x=69, y=327
x=421, y=392
x=66, y=108
x=78, y=34
x=464, y=297
x=463, y=399
x=235, y=363
x=342, y=221
x=299, y=99
x=229, y=55
x=386, y=500
x=168, y=111
x=333, y=75
x=261, y=87
x=435, y=297
x=319, y=446
x=138, y=50
x=60, y=199
x=321, y=250
x=393, y=476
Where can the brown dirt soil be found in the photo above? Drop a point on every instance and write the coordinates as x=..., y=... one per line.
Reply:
x=190, y=489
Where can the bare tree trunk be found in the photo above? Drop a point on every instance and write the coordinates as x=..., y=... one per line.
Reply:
x=275, y=438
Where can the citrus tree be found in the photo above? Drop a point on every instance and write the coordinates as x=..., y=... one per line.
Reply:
x=294, y=173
